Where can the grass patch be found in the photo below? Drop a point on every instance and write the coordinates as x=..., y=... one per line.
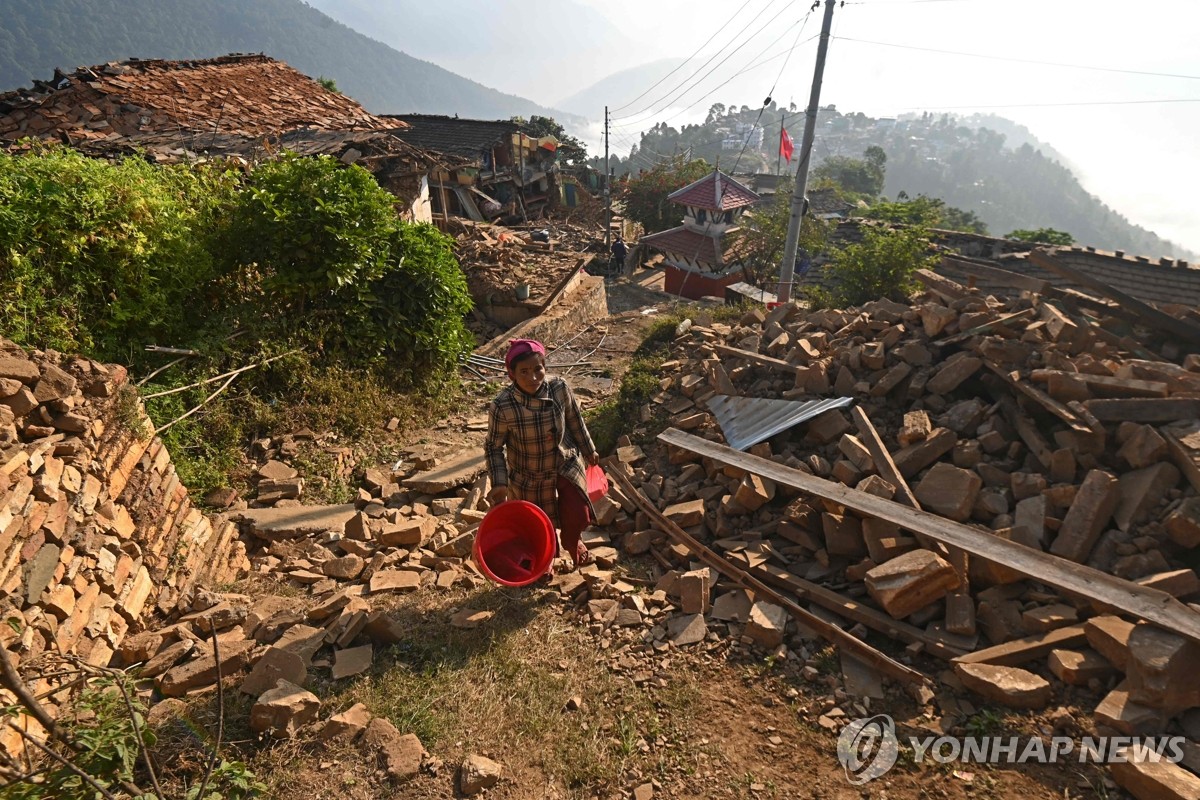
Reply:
x=500, y=689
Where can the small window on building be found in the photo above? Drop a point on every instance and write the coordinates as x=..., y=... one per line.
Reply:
x=701, y=215
x=728, y=216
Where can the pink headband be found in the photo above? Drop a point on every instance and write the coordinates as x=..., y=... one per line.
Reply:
x=519, y=347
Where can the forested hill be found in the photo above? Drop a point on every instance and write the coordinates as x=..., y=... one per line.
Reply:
x=1008, y=187
x=39, y=35
x=1009, y=180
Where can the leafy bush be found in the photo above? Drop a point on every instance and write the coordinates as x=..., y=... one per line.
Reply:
x=1042, y=236
x=311, y=227
x=646, y=195
x=881, y=266
x=929, y=212
x=101, y=258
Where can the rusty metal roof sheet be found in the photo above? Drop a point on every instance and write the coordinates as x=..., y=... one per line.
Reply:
x=746, y=421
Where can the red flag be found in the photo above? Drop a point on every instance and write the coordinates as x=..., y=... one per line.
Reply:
x=785, y=144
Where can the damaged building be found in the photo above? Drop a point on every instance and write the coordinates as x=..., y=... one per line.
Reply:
x=491, y=169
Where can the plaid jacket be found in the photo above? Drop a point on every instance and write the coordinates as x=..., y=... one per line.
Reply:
x=532, y=439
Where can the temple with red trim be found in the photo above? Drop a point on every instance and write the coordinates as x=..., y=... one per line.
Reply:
x=698, y=258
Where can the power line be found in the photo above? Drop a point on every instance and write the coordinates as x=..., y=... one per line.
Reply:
x=731, y=77
x=689, y=58
x=671, y=93
x=1019, y=60
x=1058, y=105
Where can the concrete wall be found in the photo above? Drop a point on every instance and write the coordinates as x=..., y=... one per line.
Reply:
x=96, y=531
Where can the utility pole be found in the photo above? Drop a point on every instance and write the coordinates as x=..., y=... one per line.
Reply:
x=788, y=268
x=607, y=189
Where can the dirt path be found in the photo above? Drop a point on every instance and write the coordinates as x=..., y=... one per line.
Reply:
x=574, y=708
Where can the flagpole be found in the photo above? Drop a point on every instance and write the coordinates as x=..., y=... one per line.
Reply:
x=779, y=155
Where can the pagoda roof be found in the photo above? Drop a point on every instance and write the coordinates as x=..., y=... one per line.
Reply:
x=715, y=192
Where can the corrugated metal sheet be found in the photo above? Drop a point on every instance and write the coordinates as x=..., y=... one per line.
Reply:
x=746, y=421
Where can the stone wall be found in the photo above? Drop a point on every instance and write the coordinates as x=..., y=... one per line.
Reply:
x=97, y=533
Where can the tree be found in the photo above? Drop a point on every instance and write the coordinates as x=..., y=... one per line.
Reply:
x=759, y=242
x=881, y=266
x=858, y=175
x=570, y=149
x=1042, y=236
x=329, y=83
x=930, y=212
x=646, y=195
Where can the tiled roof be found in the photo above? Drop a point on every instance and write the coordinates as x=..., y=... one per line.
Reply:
x=360, y=146
x=715, y=192
x=248, y=95
x=691, y=245
x=466, y=139
x=826, y=201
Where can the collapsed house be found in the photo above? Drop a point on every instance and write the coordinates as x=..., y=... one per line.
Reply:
x=492, y=170
x=240, y=106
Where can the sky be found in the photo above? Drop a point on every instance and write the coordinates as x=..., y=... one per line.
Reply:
x=1083, y=98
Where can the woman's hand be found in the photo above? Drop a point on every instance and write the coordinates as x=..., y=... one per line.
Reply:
x=497, y=495
x=594, y=459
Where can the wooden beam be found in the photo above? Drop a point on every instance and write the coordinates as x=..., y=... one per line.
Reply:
x=1077, y=579
x=1003, y=277
x=987, y=327
x=1028, y=648
x=831, y=633
x=1118, y=386
x=1041, y=398
x=944, y=646
x=943, y=287
x=758, y=358
x=1183, y=442
x=1150, y=410
x=884, y=464
x=1148, y=315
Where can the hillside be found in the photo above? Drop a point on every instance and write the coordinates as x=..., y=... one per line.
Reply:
x=575, y=36
x=40, y=35
x=622, y=88
x=1009, y=179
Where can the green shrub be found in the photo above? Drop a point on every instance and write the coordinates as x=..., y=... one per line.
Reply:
x=102, y=258
x=881, y=266
x=311, y=227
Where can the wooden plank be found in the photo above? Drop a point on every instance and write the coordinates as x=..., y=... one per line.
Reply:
x=828, y=631
x=943, y=287
x=1183, y=443
x=1029, y=648
x=986, y=327
x=1077, y=579
x=1028, y=432
x=1148, y=314
x=758, y=358
x=884, y=464
x=1118, y=386
x=1144, y=410
x=1041, y=398
x=944, y=646
x=1002, y=277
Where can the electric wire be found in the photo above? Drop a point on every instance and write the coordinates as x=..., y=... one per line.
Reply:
x=671, y=96
x=1019, y=60
x=686, y=60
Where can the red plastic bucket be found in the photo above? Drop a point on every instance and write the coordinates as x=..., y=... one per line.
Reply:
x=515, y=543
